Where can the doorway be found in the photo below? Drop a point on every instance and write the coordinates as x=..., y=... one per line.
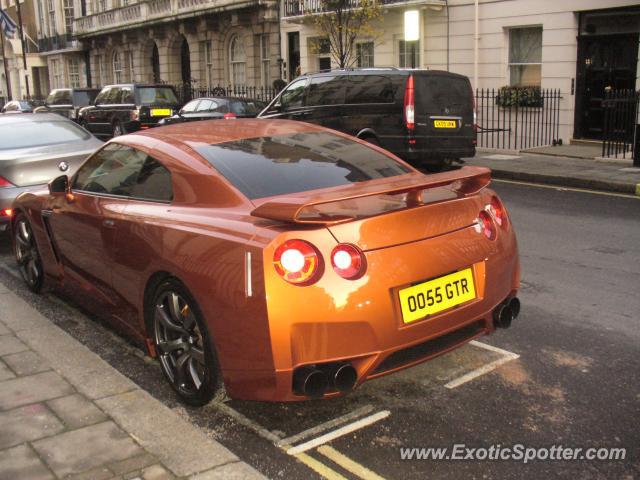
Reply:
x=185, y=62
x=293, y=60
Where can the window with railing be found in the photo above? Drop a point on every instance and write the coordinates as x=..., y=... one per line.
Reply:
x=525, y=56
x=68, y=17
x=207, y=62
x=74, y=72
x=265, y=63
x=237, y=61
x=364, y=54
x=52, y=17
x=116, y=62
x=409, y=54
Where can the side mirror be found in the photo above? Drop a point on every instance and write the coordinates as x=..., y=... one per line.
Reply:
x=59, y=184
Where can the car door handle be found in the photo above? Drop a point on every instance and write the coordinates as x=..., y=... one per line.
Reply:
x=108, y=223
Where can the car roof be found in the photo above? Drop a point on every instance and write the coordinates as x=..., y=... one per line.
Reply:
x=381, y=71
x=139, y=85
x=36, y=118
x=241, y=99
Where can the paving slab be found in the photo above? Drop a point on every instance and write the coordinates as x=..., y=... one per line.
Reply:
x=5, y=372
x=18, y=315
x=21, y=462
x=76, y=411
x=26, y=363
x=134, y=464
x=27, y=423
x=10, y=344
x=160, y=430
x=230, y=471
x=32, y=389
x=4, y=330
x=89, y=447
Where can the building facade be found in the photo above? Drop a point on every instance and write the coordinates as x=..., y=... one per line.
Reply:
x=201, y=43
x=580, y=47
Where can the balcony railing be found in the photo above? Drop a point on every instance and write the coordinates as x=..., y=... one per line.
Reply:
x=58, y=42
x=147, y=11
x=294, y=8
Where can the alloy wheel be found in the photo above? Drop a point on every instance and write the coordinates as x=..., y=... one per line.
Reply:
x=179, y=342
x=27, y=255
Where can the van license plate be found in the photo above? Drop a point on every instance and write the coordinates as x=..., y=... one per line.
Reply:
x=445, y=124
x=436, y=295
x=161, y=112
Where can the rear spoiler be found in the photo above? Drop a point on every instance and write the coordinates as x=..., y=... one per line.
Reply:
x=465, y=181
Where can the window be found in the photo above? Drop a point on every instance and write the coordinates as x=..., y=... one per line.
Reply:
x=129, y=66
x=369, y=89
x=190, y=107
x=153, y=182
x=59, y=97
x=116, y=63
x=102, y=73
x=525, y=56
x=409, y=54
x=364, y=54
x=326, y=91
x=68, y=17
x=293, y=96
x=207, y=62
x=74, y=73
x=278, y=165
x=237, y=60
x=57, y=74
x=52, y=17
x=264, y=60
x=158, y=96
x=321, y=47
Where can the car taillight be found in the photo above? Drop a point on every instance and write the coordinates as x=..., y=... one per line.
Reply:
x=498, y=211
x=486, y=225
x=5, y=183
x=7, y=212
x=409, y=104
x=229, y=115
x=134, y=115
x=348, y=261
x=298, y=262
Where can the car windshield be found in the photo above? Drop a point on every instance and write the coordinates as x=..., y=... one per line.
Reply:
x=36, y=134
x=267, y=166
x=83, y=98
x=59, y=97
x=157, y=96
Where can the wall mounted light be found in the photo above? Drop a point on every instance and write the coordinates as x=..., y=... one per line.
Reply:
x=411, y=25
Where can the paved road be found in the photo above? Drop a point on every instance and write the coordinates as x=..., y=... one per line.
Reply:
x=576, y=381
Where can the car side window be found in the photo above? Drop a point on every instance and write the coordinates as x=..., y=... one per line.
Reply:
x=369, y=89
x=126, y=96
x=326, y=91
x=102, y=96
x=293, y=96
x=113, y=96
x=207, y=106
x=113, y=170
x=153, y=183
x=190, y=107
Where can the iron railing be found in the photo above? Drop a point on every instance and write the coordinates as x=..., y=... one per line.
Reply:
x=187, y=92
x=294, y=8
x=518, y=118
x=57, y=42
x=619, y=133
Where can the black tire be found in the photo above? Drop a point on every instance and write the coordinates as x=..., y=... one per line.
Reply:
x=118, y=130
x=439, y=165
x=184, y=346
x=372, y=141
x=27, y=254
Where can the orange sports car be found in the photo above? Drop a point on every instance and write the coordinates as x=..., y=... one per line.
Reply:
x=275, y=260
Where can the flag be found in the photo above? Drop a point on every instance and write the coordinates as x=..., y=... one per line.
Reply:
x=8, y=25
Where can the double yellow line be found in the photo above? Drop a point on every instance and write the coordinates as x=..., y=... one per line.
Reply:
x=340, y=459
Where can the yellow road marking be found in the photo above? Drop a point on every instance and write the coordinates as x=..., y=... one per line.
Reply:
x=348, y=464
x=319, y=467
x=570, y=189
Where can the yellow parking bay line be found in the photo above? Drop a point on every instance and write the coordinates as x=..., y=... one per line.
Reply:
x=507, y=356
x=319, y=467
x=348, y=464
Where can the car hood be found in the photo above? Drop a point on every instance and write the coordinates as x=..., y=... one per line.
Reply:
x=33, y=166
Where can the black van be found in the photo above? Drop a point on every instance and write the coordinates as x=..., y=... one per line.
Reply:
x=425, y=117
x=68, y=101
x=120, y=109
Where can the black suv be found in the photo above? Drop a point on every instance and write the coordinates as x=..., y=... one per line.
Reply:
x=120, y=109
x=68, y=101
x=425, y=117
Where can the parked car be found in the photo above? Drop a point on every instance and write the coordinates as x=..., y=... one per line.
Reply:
x=33, y=150
x=68, y=101
x=211, y=108
x=18, y=106
x=426, y=117
x=120, y=109
x=278, y=259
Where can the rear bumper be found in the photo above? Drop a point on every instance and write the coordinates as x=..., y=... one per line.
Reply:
x=360, y=322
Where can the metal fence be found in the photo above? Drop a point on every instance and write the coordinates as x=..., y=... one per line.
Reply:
x=619, y=134
x=518, y=118
x=188, y=92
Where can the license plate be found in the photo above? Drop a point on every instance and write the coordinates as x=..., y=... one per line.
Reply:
x=445, y=124
x=436, y=295
x=161, y=112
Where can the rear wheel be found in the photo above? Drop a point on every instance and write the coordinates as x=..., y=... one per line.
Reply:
x=184, y=346
x=372, y=141
x=27, y=254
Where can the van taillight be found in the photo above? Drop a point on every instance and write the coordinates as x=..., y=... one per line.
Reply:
x=475, y=113
x=409, y=104
x=134, y=115
x=5, y=183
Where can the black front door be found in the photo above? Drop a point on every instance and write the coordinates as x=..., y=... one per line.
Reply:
x=604, y=62
x=293, y=40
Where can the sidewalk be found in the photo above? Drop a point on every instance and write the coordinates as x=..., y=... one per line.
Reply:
x=67, y=414
x=596, y=174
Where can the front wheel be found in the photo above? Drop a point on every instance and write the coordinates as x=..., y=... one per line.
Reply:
x=28, y=255
x=184, y=346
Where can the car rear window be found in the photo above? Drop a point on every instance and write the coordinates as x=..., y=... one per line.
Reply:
x=438, y=93
x=267, y=166
x=240, y=107
x=157, y=96
x=37, y=134
x=83, y=98
x=59, y=97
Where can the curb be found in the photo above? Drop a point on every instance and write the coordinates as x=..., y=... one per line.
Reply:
x=572, y=182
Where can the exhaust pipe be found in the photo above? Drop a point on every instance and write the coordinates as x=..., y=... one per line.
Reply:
x=310, y=382
x=506, y=312
x=343, y=377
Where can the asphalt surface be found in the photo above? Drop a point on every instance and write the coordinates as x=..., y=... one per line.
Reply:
x=576, y=382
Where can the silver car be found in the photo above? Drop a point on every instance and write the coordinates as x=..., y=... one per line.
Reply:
x=33, y=150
